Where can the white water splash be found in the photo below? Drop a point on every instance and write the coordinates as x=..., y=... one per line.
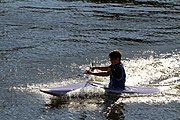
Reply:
x=153, y=70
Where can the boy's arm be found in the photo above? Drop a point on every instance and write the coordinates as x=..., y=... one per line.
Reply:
x=100, y=68
x=102, y=74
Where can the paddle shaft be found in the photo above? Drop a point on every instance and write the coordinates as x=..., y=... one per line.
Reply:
x=89, y=79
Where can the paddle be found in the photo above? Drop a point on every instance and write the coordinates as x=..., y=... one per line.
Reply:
x=90, y=78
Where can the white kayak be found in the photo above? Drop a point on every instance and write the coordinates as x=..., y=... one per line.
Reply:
x=63, y=90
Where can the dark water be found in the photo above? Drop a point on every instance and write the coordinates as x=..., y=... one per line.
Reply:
x=45, y=43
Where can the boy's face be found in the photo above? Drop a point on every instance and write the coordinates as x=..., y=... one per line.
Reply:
x=114, y=60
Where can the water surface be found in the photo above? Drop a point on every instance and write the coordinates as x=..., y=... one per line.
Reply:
x=47, y=43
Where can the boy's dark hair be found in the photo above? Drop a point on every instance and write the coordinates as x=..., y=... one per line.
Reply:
x=115, y=54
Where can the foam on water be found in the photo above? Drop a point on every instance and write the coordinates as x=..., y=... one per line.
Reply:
x=153, y=70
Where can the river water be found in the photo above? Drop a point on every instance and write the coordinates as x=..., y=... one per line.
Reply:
x=47, y=43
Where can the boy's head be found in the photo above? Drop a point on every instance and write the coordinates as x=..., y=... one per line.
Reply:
x=115, y=54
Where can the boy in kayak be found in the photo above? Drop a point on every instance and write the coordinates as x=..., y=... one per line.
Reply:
x=115, y=71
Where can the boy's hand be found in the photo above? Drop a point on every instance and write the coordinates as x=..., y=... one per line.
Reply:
x=88, y=72
x=92, y=68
